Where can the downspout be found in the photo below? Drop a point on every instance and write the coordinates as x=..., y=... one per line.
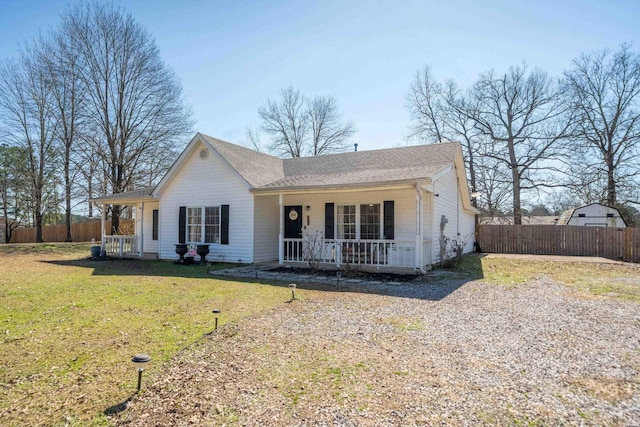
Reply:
x=419, y=262
x=281, y=235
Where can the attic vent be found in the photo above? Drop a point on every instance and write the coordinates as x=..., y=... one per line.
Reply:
x=609, y=215
x=581, y=215
x=204, y=153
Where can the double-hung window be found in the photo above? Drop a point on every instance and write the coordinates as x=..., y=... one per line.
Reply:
x=346, y=222
x=370, y=222
x=359, y=222
x=203, y=224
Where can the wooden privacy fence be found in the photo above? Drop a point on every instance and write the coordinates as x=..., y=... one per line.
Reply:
x=608, y=242
x=80, y=232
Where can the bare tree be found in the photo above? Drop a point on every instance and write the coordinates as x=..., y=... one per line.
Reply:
x=522, y=116
x=132, y=98
x=60, y=58
x=26, y=99
x=328, y=131
x=300, y=127
x=428, y=109
x=603, y=89
x=286, y=122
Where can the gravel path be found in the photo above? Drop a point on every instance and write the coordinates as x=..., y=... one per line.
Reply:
x=454, y=354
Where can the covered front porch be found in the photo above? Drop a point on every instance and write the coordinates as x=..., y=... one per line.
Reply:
x=142, y=241
x=374, y=229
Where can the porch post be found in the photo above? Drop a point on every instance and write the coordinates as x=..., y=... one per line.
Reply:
x=141, y=233
x=103, y=225
x=281, y=235
x=419, y=233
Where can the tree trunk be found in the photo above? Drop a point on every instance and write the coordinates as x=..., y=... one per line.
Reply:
x=515, y=175
x=38, y=226
x=67, y=191
x=115, y=219
x=611, y=182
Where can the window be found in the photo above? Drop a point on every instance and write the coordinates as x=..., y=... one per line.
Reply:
x=194, y=224
x=154, y=231
x=205, y=222
x=346, y=222
x=212, y=224
x=370, y=222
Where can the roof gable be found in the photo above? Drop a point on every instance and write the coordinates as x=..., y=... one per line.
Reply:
x=255, y=168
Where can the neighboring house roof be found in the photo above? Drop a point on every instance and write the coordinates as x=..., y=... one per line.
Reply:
x=526, y=220
x=566, y=216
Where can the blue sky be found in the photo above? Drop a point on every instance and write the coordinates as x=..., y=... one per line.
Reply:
x=233, y=55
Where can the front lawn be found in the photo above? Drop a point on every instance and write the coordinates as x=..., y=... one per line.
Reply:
x=71, y=325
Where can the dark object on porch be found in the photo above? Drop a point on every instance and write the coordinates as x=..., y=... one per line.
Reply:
x=188, y=260
x=202, y=250
x=181, y=249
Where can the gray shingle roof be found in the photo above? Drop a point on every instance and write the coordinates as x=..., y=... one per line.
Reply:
x=368, y=167
x=362, y=168
x=266, y=172
x=256, y=168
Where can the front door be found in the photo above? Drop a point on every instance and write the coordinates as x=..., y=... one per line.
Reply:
x=293, y=230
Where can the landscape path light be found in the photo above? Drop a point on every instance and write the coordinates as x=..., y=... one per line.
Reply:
x=216, y=312
x=292, y=286
x=140, y=359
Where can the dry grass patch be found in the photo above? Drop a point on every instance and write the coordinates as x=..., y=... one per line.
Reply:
x=610, y=389
x=615, y=281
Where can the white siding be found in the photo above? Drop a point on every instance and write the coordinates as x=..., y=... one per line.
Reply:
x=266, y=228
x=148, y=244
x=208, y=182
x=595, y=215
x=404, y=208
x=448, y=203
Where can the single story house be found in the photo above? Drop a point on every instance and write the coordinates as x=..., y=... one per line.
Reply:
x=593, y=215
x=380, y=209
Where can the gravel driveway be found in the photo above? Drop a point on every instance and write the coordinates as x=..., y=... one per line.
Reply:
x=450, y=354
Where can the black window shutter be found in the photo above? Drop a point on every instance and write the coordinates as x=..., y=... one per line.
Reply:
x=329, y=220
x=155, y=225
x=182, y=225
x=388, y=220
x=224, y=224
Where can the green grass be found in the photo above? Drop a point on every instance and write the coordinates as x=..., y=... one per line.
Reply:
x=69, y=327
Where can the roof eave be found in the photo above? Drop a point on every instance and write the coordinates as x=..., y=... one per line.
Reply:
x=340, y=187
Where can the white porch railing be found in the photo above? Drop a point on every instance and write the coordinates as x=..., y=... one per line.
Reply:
x=374, y=253
x=121, y=245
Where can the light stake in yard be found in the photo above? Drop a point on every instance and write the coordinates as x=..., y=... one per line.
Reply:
x=292, y=286
x=216, y=312
x=140, y=359
x=338, y=276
